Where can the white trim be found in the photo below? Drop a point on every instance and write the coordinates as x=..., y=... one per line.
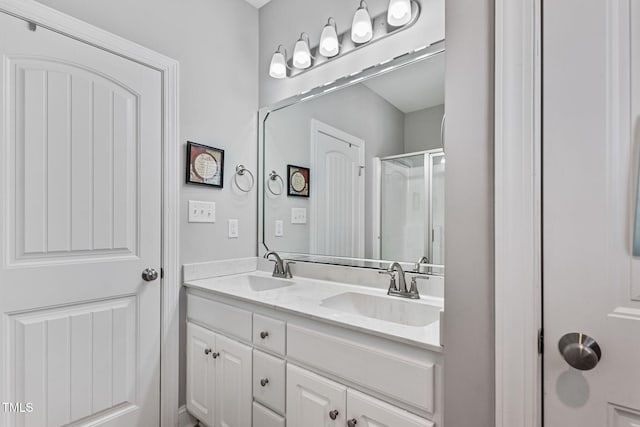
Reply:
x=64, y=24
x=518, y=250
x=376, y=210
x=185, y=419
x=320, y=127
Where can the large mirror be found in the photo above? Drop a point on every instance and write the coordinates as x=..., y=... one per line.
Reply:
x=354, y=172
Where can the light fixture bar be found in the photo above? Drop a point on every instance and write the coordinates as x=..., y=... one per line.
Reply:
x=381, y=30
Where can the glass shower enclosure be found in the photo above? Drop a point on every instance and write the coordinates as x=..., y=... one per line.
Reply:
x=410, y=205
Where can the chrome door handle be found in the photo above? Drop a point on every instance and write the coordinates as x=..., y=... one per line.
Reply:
x=149, y=274
x=334, y=414
x=580, y=351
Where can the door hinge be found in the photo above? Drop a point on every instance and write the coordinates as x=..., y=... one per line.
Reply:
x=540, y=341
x=162, y=273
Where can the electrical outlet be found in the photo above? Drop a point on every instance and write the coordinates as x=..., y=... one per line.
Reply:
x=298, y=215
x=279, y=228
x=202, y=211
x=233, y=228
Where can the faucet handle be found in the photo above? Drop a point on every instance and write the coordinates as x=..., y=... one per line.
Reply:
x=287, y=269
x=392, y=279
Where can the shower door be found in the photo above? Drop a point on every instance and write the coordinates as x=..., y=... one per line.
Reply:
x=411, y=204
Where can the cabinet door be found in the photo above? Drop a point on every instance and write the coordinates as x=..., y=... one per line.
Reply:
x=200, y=373
x=367, y=411
x=233, y=383
x=314, y=401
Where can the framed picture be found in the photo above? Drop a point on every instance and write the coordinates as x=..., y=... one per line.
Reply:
x=297, y=181
x=205, y=165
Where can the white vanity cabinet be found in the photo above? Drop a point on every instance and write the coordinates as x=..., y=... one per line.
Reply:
x=218, y=379
x=313, y=400
x=274, y=368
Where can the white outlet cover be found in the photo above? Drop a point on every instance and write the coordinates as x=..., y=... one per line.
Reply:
x=202, y=212
x=233, y=228
x=298, y=215
x=279, y=228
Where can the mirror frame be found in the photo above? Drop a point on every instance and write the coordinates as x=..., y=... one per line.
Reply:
x=403, y=60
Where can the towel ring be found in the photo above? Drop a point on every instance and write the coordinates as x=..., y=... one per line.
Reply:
x=272, y=177
x=240, y=170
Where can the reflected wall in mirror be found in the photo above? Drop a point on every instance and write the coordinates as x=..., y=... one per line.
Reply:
x=375, y=155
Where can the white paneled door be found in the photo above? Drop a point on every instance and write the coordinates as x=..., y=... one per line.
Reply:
x=80, y=182
x=337, y=192
x=591, y=152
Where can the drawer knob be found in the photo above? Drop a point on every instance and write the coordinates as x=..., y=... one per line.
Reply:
x=207, y=350
x=264, y=334
x=215, y=355
x=264, y=382
x=334, y=414
x=352, y=422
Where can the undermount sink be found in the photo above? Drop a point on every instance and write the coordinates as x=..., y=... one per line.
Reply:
x=390, y=309
x=258, y=283
x=262, y=283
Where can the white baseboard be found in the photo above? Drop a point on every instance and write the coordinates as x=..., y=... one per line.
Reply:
x=184, y=418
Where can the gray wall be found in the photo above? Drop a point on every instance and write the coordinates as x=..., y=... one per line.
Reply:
x=356, y=110
x=218, y=101
x=422, y=129
x=282, y=21
x=469, y=292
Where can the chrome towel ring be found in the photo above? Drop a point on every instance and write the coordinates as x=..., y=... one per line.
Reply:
x=273, y=176
x=240, y=171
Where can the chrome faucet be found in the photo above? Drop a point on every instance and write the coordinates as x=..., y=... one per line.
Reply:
x=280, y=269
x=401, y=289
x=423, y=260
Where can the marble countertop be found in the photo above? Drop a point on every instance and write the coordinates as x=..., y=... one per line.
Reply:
x=304, y=297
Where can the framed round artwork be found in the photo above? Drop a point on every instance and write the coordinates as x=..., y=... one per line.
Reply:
x=297, y=181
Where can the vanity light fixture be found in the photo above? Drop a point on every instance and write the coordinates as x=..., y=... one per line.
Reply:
x=278, y=66
x=329, y=44
x=400, y=15
x=302, y=53
x=362, y=29
x=399, y=12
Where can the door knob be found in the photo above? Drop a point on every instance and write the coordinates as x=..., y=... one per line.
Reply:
x=580, y=351
x=333, y=414
x=149, y=274
x=264, y=382
x=352, y=422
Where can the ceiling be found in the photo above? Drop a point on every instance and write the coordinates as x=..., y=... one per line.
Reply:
x=414, y=87
x=258, y=3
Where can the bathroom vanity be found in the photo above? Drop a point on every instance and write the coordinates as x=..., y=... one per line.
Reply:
x=270, y=352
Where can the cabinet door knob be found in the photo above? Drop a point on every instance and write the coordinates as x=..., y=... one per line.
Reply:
x=207, y=350
x=333, y=414
x=215, y=355
x=264, y=334
x=352, y=422
x=264, y=382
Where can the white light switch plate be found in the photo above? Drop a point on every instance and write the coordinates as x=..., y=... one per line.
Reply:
x=202, y=211
x=298, y=215
x=279, y=228
x=233, y=228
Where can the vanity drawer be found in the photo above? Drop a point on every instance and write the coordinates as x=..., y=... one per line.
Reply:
x=222, y=317
x=262, y=417
x=269, y=333
x=407, y=380
x=269, y=380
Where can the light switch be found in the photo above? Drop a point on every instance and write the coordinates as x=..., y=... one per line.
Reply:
x=202, y=211
x=298, y=215
x=279, y=228
x=233, y=228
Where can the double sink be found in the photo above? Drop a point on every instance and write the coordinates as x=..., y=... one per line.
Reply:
x=385, y=308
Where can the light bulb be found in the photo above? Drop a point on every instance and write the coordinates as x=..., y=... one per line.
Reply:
x=278, y=66
x=361, y=29
x=301, y=53
x=399, y=12
x=329, y=45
